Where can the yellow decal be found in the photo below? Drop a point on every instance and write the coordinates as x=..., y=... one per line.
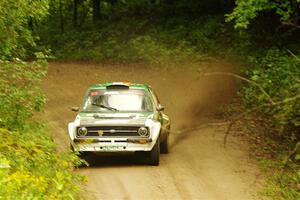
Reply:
x=100, y=133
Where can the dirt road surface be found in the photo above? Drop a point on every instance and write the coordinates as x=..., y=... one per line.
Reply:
x=198, y=166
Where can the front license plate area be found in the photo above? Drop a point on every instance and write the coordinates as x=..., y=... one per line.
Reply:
x=101, y=147
x=111, y=148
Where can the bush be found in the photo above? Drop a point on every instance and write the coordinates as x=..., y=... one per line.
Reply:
x=16, y=37
x=30, y=167
x=278, y=74
x=20, y=94
x=35, y=170
x=132, y=40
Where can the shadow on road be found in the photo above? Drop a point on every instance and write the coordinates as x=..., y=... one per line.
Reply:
x=110, y=160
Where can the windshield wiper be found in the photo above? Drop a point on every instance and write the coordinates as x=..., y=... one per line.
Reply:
x=106, y=107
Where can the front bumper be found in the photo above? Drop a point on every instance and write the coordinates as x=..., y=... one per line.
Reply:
x=113, y=145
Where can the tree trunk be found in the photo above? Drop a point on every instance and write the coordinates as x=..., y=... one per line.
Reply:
x=61, y=17
x=169, y=2
x=75, y=13
x=96, y=10
x=113, y=2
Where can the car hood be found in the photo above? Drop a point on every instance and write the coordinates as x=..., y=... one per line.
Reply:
x=94, y=119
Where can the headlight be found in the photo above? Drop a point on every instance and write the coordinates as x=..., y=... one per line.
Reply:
x=82, y=131
x=143, y=131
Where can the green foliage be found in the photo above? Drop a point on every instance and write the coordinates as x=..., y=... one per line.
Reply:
x=141, y=41
x=20, y=95
x=156, y=32
x=247, y=10
x=30, y=167
x=35, y=170
x=283, y=179
x=15, y=35
x=279, y=75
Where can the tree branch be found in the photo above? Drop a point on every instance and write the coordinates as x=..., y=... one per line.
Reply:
x=290, y=52
x=233, y=121
x=296, y=79
x=291, y=24
x=288, y=24
x=289, y=157
x=240, y=116
x=244, y=79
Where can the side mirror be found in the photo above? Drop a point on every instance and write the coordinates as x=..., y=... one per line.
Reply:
x=160, y=108
x=75, y=109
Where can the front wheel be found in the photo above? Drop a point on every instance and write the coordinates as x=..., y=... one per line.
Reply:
x=154, y=154
x=164, y=145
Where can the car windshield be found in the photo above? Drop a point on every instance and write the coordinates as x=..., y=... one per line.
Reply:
x=117, y=100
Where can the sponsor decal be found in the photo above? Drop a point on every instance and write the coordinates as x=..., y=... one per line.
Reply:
x=100, y=133
x=95, y=93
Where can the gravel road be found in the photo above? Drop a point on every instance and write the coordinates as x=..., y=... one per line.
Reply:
x=198, y=166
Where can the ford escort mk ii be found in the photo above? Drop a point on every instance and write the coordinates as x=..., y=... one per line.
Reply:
x=121, y=117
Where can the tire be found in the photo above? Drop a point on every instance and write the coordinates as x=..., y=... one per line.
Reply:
x=164, y=146
x=154, y=154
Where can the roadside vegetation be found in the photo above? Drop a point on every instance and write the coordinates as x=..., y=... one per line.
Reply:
x=30, y=167
x=263, y=35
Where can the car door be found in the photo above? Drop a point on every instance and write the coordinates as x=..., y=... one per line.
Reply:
x=162, y=117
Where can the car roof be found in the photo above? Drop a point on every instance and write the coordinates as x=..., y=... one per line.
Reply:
x=128, y=84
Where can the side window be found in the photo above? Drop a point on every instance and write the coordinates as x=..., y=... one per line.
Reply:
x=156, y=101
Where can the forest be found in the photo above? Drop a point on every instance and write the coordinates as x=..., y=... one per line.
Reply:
x=263, y=36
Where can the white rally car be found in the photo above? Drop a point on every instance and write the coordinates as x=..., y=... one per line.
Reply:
x=120, y=117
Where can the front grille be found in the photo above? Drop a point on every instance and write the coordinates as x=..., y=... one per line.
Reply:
x=111, y=131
